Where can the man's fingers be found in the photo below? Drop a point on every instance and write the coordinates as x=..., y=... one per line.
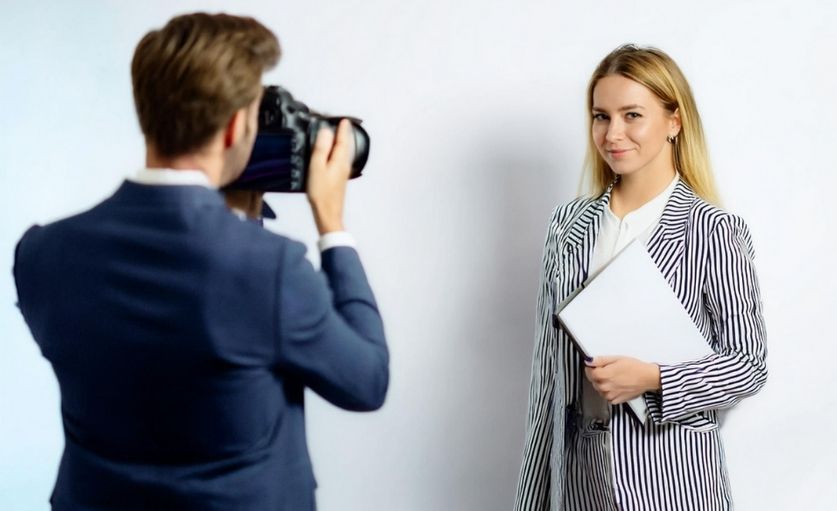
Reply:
x=322, y=146
x=345, y=143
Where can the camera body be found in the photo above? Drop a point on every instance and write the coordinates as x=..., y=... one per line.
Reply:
x=286, y=136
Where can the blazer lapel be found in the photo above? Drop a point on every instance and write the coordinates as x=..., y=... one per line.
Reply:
x=668, y=241
x=577, y=250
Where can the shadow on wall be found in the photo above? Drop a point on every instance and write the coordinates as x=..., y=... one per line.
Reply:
x=514, y=184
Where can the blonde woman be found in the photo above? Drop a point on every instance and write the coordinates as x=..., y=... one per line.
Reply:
x=650, y=174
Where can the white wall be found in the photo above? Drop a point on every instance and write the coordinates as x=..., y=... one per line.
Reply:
x=477, y=120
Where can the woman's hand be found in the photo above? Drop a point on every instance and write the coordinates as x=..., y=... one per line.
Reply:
x=620, y=379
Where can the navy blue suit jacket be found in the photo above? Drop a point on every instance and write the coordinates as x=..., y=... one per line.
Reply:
x=182, y=339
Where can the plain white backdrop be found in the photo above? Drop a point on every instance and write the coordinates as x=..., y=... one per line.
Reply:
x=476, y=112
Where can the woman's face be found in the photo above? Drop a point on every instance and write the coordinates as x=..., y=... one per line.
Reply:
x=630, y=126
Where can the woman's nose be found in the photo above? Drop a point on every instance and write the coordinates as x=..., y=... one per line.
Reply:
x=615, y=131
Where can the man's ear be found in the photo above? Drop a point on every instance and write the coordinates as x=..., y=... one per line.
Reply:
x=235, y=128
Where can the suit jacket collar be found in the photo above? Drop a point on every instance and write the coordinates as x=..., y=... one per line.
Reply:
x=187, y=195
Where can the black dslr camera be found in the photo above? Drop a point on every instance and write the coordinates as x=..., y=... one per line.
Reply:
x=287, y=131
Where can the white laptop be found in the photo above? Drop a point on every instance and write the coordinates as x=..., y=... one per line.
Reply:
x=629, y=309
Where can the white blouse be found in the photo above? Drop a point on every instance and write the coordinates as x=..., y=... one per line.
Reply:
x=615, y=234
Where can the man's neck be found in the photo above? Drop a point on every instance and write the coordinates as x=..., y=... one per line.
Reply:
x=196, y=161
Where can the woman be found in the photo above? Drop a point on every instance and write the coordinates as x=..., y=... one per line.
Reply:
x=651, y=179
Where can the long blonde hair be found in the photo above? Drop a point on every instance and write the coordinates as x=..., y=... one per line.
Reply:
x=659, y=73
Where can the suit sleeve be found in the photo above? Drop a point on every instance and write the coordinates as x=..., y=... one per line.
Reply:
x=533, y=486
x=733, y=301
x=22, y=258
x=330, y=331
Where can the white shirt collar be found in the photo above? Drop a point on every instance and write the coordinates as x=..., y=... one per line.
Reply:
x=649, y=213
x=171, y=177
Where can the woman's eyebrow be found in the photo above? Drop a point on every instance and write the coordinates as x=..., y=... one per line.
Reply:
x=622, y=109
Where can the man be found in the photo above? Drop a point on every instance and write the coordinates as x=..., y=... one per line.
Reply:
x=183, y=337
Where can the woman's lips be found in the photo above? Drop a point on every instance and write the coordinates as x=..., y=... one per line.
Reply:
x=618, y=153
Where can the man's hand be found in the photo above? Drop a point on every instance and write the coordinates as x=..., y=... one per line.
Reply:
x=620, y=379
x=248, y=201
x=328, y=172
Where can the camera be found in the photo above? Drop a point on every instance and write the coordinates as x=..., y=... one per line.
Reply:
x=282, y=150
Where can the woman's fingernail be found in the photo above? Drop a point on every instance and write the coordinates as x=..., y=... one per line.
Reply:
x=588, y=359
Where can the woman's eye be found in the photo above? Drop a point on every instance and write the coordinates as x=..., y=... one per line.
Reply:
x=599, y=117
x=633, y=115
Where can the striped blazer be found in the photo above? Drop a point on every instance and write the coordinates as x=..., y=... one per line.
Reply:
x=676, y=460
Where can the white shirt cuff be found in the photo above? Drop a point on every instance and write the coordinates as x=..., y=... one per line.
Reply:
x=336, y=239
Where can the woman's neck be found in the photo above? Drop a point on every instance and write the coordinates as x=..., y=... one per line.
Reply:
x=635, y=189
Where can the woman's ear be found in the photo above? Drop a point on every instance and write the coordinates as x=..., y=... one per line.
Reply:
x=675, y=125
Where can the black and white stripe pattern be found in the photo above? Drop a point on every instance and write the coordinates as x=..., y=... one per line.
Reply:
x=676, y=460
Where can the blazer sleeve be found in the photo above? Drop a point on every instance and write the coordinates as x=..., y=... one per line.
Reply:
x=330, y=332
x=23, y=276
x=533, y=486
x=733, y=301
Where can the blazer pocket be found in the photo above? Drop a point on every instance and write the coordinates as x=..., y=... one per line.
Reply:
x=697, y=423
